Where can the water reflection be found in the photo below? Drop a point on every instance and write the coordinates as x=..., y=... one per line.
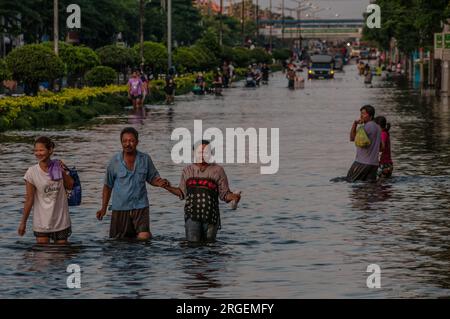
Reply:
x=364, y=195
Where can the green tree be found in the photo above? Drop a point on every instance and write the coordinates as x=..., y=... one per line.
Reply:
x=4, y=73
x=411, y=22
x=118, y=58
x=78, y=60
x=186, y=60
x=101, y=76
x=34, y=63
x=155, y=55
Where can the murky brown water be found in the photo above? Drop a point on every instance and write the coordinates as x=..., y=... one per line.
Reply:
x=295, y=234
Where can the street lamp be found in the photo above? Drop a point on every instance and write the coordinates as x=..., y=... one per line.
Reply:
x=55, y=27
x=169, y=34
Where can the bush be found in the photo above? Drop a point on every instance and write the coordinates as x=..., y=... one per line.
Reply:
x=4, y=73
x=241, y=56
x=118, y=58
x=259, y=55
x=34, y=63
x=206, y=59
x=281, y=54
x=101, y=76
x=78, y=59
x=186, y=60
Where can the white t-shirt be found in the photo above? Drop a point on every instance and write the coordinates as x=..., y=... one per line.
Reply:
x=50, y=206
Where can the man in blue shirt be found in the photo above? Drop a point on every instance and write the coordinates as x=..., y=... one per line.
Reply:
x=126, y=175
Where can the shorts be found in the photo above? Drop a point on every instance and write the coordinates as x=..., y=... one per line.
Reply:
x=128, y=224
x=136, y=97
x=200, y=232
x=385, y=170
x=58, y=235
x=362, y=172
x=291, y=84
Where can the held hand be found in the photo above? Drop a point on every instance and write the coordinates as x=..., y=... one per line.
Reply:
x=101, y=213
x=22, y=229
x=236, y=197
x=62, y=165
x=160, y=182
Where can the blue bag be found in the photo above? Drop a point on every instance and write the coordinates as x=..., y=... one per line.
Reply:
x=74, y=197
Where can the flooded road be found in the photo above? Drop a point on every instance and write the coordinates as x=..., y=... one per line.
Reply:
x=295, y=234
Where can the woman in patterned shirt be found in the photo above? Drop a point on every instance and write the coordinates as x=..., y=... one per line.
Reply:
x=201, y=185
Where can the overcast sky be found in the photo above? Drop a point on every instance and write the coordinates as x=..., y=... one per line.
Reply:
x=346, y=9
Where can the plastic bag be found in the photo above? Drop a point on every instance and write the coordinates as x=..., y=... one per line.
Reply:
x=74, y=197
x=361, y=138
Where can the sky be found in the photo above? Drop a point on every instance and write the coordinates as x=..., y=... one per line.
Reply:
x=346, y=9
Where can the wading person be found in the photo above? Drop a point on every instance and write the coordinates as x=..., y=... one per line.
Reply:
x=136, y=90
x=126, y=177
x=365, y=166
x=202, y=185
x=291, y=76
x=169, y=89
x=46, y=186
x=386, y=164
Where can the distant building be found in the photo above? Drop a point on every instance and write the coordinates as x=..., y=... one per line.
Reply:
x=207, y=7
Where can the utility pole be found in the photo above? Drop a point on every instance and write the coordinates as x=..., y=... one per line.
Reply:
x=271, y=25
x=221, y=26
x=282, y=20
x=169, y=33
x=141, y=31
x=243, y=22
x=257, y=19
x=55, y=27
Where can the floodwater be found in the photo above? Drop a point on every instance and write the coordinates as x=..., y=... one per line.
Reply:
x=295, y=234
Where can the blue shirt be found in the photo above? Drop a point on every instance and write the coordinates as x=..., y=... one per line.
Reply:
x=129, y=188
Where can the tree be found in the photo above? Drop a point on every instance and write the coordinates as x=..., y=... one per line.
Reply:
x=34, y=63
x=155, y=54
x=101, y=76
x=259, y=55
x=118, y=58
x=411, y=23
x=4, y=73
x=186, y=60
x=78, y=60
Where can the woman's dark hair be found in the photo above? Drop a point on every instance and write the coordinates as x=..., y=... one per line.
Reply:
x=47, y=142
x=370, y=110
x=129, y=130
x=381, y=121
x=202, y=142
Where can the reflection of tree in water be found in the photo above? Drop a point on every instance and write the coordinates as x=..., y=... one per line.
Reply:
x=420, y=132
x=428, y=238
x=421, y=141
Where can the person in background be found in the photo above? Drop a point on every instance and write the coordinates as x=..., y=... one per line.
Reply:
x=386, y=164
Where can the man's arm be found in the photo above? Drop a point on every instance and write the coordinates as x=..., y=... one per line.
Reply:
x=159, y=182
x=175, y=190
x=353, y=130
x=106, y=196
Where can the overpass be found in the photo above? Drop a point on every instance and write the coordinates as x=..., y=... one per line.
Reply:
x=325, y=29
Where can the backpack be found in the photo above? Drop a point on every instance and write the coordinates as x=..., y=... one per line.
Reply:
x=74, y=197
